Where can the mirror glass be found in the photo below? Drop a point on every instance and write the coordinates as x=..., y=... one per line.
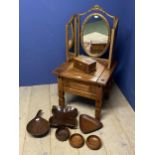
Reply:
x=95, y=35
x=70, y=35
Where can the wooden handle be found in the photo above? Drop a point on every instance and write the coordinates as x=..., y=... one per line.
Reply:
x=38, y=113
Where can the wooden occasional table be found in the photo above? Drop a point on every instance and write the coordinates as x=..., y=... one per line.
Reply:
x=79, y=83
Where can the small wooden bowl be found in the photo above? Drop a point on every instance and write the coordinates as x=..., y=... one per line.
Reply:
x=62, y=133
x=76, y=140
x=94, y=142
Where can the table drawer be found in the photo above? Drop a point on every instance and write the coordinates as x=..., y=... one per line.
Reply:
x=79, y=85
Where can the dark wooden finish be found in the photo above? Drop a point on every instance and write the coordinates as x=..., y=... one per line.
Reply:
x=84, y=63
x=64, y=116
x=94, y=142
x=76, y=140
x=62, y=133
x=90, y=85
x=38, y=126
x=89, y=124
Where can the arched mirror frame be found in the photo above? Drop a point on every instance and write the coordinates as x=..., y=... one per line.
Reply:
x=113, y=30
x=82, y=34
x=70, y=53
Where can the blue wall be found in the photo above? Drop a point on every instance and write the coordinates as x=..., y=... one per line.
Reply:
x=42, y=39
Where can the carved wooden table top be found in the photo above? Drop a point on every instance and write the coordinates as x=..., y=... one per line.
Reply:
x=100, y=76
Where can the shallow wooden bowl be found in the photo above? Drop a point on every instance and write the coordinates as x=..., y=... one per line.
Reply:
x=76, y=140
x=94, y=142
x=62, y=133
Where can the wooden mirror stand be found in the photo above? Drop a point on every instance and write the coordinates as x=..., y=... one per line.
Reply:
x=72, y=80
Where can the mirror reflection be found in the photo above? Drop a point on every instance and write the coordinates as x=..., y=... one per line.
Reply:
x=95, y=35
x=70, y=36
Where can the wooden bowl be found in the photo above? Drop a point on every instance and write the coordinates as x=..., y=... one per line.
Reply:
x=62, y=133
x=76, y=140
x=94, y=142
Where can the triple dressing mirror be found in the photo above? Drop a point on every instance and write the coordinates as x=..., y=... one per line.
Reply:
x=93, y=35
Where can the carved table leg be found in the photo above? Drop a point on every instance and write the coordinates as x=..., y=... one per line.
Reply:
x=61, y=92
x=98, y=108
